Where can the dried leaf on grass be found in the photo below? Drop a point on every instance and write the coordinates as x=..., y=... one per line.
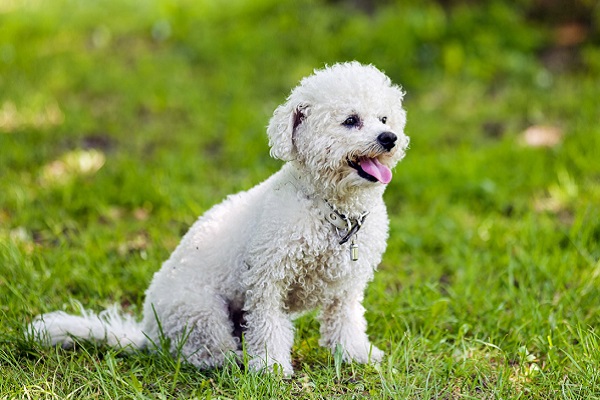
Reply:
x=570, y=34
x=542, y=136
x=72, y=164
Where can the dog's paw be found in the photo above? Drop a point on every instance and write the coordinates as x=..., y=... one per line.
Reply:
x=375, y=355
x=259, y=364
x=366, y=354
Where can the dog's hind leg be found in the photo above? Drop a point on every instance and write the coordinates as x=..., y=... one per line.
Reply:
x=201, y=331
x=269, y=331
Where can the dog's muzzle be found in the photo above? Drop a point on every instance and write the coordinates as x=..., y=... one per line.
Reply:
x=370, y=168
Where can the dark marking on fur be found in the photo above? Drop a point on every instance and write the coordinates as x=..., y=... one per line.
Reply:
x=298, y=117
x=236, y=316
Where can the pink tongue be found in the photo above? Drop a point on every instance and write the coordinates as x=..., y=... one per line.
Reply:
x=373, y=167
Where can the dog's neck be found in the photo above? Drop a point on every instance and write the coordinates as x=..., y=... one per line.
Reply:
x=353, y=201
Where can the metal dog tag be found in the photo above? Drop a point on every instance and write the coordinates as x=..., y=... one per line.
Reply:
x=353, y=249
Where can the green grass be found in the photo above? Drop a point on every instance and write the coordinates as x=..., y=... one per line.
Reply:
x=121, y=121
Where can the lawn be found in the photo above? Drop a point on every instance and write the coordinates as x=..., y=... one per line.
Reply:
x=121, y=121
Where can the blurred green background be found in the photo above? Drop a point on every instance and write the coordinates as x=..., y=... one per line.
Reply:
x=121, y=121
x=182, y=90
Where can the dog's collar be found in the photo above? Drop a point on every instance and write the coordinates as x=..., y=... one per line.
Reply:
x=345, y=226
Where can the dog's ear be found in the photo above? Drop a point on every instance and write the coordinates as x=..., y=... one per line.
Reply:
x=282, y=129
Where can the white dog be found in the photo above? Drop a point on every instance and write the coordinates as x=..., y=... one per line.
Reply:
x=309, y=236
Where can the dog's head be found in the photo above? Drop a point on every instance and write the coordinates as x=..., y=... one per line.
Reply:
x=344, y=124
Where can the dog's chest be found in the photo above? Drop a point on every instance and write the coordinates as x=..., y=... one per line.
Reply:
x=317, y=277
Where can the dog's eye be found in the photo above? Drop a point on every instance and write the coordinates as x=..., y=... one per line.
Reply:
x=351, y=121
x=383, y=120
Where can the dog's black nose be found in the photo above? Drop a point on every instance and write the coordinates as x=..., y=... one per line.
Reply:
x=387, y=140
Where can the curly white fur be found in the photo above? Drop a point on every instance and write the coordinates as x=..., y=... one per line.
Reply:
x=255, y=260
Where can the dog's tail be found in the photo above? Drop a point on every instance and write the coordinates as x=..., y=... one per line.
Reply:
x=109, y=326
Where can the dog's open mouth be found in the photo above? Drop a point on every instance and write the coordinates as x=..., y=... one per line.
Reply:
x=371, y=169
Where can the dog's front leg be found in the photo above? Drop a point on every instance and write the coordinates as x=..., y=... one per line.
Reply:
x=269, y=332
x=343, y=323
